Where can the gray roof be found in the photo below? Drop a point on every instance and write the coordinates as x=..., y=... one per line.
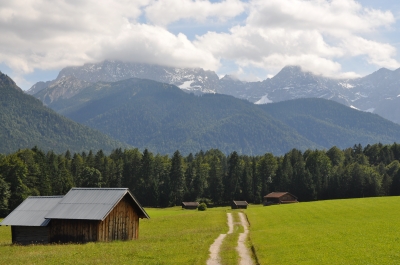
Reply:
x=240, y=203
x=91, y=204
x=32, y=211
x=190, y=204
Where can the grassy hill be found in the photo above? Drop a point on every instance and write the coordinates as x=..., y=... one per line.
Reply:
x=25, y=122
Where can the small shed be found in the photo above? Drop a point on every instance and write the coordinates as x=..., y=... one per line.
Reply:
x=279, y=198
x=190, y=205
x=28, y=225
x=82, y=215
x=239, y=205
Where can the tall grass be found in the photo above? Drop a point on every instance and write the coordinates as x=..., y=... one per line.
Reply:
x=354, y=231
x=171, y=236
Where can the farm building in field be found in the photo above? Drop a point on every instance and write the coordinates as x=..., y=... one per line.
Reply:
x=82, y=215
x=190, y=205
x=239, y=205
x=28, y=225
x=279, y=198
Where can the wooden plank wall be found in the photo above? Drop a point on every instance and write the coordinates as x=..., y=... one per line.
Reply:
x=25, y=235
x=122, y=223
x=65, y=231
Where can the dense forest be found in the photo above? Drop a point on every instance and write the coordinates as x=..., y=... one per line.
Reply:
x=211, y=176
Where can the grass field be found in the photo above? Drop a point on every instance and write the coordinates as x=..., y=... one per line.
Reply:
x=355, y=231
x=171, y=236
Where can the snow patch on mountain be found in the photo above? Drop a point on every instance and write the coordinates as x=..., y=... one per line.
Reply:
x=351, y=106
x=346, y=85
x=186, y=84
x=263, y=100
x=370, y=110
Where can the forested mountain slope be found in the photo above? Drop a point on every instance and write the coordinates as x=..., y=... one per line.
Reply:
x=25, y=122
x=162, y=118
x=328, y=123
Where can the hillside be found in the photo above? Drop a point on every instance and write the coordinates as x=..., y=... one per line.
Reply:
x=328, y=123
x=162, y=118
x=25, y=122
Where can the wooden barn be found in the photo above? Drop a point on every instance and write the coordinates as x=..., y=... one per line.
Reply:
x=239, y=205
x=279, y=198
x=82, y=215
x=190, y=205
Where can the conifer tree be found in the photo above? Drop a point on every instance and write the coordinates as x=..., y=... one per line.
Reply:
x=177, y=179
x=4, y=197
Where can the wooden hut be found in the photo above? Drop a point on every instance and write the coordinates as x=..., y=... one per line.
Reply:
x=28, y=225
x=239, y=205
x=82, y=215
x=190, y=205
x=279, y=198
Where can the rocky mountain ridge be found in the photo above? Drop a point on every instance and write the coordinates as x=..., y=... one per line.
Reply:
x=378, y=92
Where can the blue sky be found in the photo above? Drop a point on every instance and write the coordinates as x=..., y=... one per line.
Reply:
x=250, y=39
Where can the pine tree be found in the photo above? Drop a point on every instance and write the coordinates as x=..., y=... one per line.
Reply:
x=233, y=177
x=266, y=170
x=177, y=180
x=216, y=186
x=14, y=172
x=4, y=197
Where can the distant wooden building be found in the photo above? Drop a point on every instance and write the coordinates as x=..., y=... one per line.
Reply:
x=82, y=215
x=190, y=205
x=239, y=205
x=279, y=198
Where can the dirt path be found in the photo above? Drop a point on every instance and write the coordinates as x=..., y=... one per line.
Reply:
x=244, y=254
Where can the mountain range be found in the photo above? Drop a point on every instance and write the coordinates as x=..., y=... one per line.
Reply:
x=25, y=123
x=377, y=93
x=163, y=118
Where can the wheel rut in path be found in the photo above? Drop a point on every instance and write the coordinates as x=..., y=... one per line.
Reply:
x=244, y=254
x=215, y=247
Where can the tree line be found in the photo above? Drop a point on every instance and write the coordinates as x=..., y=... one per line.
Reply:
x=213, y=177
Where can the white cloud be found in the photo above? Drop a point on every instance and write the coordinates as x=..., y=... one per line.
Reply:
x=38, y=34
x=152, y=44
x=164, y=12
x=316, y=34
x=327, y=16
x=380, y=54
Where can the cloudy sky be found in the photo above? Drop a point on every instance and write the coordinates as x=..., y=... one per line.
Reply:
x=251, y=39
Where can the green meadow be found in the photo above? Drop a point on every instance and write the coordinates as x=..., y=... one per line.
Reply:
x=353, y=231
x=171, y=236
